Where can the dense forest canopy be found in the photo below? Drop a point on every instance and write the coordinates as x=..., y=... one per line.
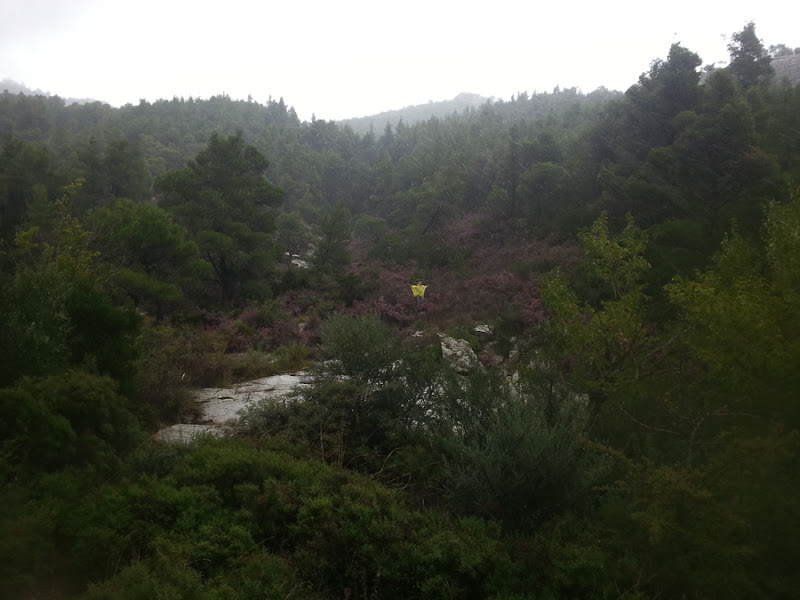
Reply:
x=629, y=428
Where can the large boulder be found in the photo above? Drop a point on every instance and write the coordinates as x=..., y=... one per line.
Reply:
x=458, y=354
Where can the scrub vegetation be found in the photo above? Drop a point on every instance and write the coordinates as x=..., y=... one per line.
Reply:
x=632, y=429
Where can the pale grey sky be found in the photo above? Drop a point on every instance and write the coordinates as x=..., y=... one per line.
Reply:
x=348, y=58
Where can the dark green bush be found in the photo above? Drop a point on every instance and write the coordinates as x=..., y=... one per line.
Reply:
x=226, y=520
x=363, y=347
x=504, y=457
x=74, y=418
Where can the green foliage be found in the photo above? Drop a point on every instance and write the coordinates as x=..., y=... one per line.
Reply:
x=783, y=247
x=55, y=311
x=370, y=229
x=755, y=478
x=677, y=247
x=506, y=457
x=27, y=543
x=198, y=357
x=618, y=262
x=25, y=175
x=126, y=171
x=225, y=202
x=363, y=403
x=292, y=233
x=508, y=325
x=331, y=255
x=36, y=325
x=71, y=418
x=718, y=383
x=148, y=291
x=749, y=59
x=140, y=581
x=694, y=400
x=542, y=188
x=606, y=347
x=161, y=382
x=70, y=246
x=364, y=348
x=742, y=319
x=292, y=357
x=227, y=520
x=669, y=88
x=152, y=253
x=102, y=334
x=498, y=202
x=651, y=530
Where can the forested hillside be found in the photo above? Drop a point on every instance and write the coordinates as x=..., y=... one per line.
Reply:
x=414, y=114
x=631, y=427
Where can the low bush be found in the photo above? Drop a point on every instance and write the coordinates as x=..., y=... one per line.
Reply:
x=73, y=418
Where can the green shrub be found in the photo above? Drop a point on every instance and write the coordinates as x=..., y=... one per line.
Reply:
x=251, y=364
x=226, y=519
x=292, y=357
x=160, y=382
x=201, y=358
x=504, y=456
x=27, y=542
x=363, y=347
x=71, y=418
x=143, y=581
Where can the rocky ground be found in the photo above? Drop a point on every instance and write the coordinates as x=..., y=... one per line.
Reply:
x=220, y=406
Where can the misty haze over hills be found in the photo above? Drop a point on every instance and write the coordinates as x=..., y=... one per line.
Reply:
x=414, y=114
x=785, y=67
x=361, y=125
x=14, y=87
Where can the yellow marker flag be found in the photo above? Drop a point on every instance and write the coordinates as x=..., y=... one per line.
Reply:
x=418, y=290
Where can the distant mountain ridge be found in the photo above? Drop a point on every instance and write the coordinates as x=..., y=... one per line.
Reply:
x=787, y=67
x=414, y=114
x=14, y=87
x=361, y=125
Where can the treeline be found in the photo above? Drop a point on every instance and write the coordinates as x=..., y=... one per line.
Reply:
x=549, y=161
x=631, y=430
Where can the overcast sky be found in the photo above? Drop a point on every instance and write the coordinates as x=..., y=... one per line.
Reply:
x=347, y=58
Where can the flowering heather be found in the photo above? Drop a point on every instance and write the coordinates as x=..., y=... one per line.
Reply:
x=485, y=296
x=493, y=275
x=392, y=298
x=284, y=332
x=500, y=275
x=254, y=316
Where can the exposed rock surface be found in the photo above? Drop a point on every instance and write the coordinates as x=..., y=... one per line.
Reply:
x=484, y=332
x=218, y=406
x=459, y=354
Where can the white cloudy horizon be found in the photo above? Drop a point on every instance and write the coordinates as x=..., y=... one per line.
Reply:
x=355, y=57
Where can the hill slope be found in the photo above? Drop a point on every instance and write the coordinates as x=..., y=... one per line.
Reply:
x=787, y=67
x=414, y=114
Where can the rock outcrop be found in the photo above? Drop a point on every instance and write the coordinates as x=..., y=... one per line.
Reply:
x=459, y=354
x=219, y=406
